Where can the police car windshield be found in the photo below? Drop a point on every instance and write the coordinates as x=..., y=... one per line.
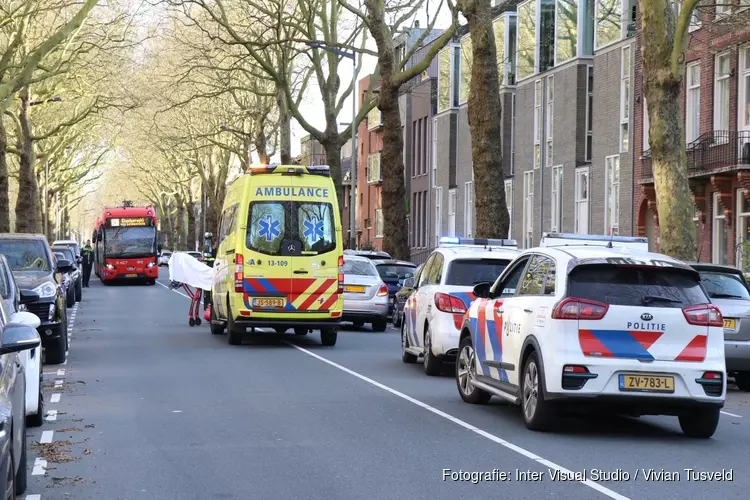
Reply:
x=359, y=268
x=724, y=285
x=634, y=286
x=469, y=272
x=270, y=223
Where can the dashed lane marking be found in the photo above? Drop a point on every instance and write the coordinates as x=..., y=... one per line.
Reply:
x=40, y=467
x=59, y=383
x=55, y=398
x=60, y=373
x=521, y=451
x=51, y=416
x=33, y=497
x=47, y=437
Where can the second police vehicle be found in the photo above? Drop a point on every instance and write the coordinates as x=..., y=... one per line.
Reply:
x=434, y=311
x=598, y=321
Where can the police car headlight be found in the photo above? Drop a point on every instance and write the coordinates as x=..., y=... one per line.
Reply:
x=46, y=290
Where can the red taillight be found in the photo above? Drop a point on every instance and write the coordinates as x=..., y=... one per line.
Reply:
x=341, y=274
x=239, y=273
x=382, y=291
x=574, y=369
x=712, y=376
x=580, y=309
x=449, y=304
x=703, y=315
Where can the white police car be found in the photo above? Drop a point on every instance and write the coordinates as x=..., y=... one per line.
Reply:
x=433, y=313
x=632, y=330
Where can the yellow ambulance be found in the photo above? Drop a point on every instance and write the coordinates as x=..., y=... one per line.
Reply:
x=279, y=260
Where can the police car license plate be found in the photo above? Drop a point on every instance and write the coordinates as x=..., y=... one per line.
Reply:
x=131, y=275
x=646, y=383
x=730, y=324
x=354, y=289
x=269, y=302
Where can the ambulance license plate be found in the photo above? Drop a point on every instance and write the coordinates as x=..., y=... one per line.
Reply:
x=354, y=288
x=646, y=383
x=131, y=275
x=730, y=324
x=269, y=302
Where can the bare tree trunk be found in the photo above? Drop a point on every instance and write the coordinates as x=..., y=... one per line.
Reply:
x=191, y=236
x=333, y=159
x=180, y=226
x=285, y=127
x=4, y=182
x=662, y=74
x=261, y=141
x=484, y=113
x=65, y=213
x=27, y=210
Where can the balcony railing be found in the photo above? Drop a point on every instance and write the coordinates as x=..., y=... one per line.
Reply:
x=712, y=151
x=419, y=255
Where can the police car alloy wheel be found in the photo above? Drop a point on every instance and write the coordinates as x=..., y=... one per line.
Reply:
x=530, y=390
x=432, y=364
x=537, y=412
x=406, y=356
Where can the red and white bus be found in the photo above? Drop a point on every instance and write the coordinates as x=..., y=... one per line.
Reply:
x=125, y=244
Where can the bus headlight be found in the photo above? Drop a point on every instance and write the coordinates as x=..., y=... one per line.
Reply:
x=109, y=266
x=150, y=265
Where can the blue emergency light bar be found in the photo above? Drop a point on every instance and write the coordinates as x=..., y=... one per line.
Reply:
x=323, y=170
x=476, y=242
x=598, y=237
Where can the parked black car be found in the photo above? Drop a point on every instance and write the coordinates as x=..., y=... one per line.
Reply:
x=393, y=273
x=34, y=267
x=69, y=278
x=13, y=459
x=406, y=290
x=76, y=273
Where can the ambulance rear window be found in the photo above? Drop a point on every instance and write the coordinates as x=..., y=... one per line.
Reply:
x=636, y=286
x=310, y=223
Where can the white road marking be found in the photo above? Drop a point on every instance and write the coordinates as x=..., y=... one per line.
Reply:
x=40, y=467
x=60, y=373
x=65, y=362
x=521, y=451
x=46, y=437
x=58, y=383
x=175, y=291
x=176, y=411
x=34, y=497
x=55, y=398
x=51, y=416
x=731, y=414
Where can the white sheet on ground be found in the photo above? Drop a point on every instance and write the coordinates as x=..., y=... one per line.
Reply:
x=186, y=269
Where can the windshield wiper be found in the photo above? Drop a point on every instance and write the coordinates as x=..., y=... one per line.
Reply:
x=724, y=296
x=650, y=299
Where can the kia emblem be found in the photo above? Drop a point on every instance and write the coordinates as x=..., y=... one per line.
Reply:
x=646, y=317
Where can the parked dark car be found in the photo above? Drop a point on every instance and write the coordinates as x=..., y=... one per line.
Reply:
x=393, y=273
x=70, y=278
x=406, y=290
x=35, y=268
x=16, y=338
x=76, y=275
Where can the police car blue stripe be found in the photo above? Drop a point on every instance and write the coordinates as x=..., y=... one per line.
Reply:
x=622, y=344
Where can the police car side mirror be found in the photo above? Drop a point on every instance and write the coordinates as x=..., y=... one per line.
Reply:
x=482, y=290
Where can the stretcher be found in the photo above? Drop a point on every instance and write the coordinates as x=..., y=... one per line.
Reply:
x=193, y=276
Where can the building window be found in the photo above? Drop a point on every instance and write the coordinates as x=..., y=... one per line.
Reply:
x=374, y=119
x=525, y=60
x=589, y=112
x=378, y=222
x=625, y=100
x=452, y=212
x=498, y=28
x=719, y=247
x=528, y=209
x=721, y=97
x=424, y=219
x=469, y=209
x=586, y=26
x=548, y=118
x=438, y=214
x=509, y=205
x=444, y=79
x=646, y=144
x=608, y=22
x=557, y=199
x=567, y=31
x=512, y=133
x=723, y=8
x=434, y=152
x=744, y=89
x=537, y=123
x=695, y=20
x=466, y=58
x=510, y=49
x=456, y=75
x=743, y=230
x=424, y=149
x=612, y=199
x=546, y=55
x=582, y=200
x=693, y=103
x=414, y=149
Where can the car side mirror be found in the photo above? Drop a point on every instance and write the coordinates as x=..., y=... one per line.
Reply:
x=25, y=318
x=28, y=297
x=79, y=259
x=482, y=290
x=409, y=283
x=19, y=337
x=64, y=266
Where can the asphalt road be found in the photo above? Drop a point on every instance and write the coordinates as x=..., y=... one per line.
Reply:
x=148, y=408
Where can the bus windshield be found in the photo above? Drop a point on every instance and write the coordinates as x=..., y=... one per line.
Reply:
x=129, y=242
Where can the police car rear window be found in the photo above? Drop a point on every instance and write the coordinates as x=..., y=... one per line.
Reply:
x=469, y=272
x=636, y=286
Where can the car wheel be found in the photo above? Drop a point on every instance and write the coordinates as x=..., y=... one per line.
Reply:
x=216, y=328
x=280, y=330
x=10, y=483
x=70, y=298
x=742, y=379
x=379, y=325
x=466, y=373
x=432, y=364
x=234, y=336
x=328, y=336
x=396, y=319
x=536, y=411
x=79, y=290
x=37, y=419
x=300, y=330
x=57, y=354
x=406, y=356
x=22, y=473
x=700, y=423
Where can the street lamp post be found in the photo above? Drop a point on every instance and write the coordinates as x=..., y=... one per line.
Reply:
x=353, y=191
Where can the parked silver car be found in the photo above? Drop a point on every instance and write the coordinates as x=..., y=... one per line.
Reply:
x=365, y=293
x=728, y=290
x=164, y=257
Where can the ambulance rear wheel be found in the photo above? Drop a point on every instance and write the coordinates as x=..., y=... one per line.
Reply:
x=234, y=335
x=300, y=330
x=328, y=336
x=216, y=328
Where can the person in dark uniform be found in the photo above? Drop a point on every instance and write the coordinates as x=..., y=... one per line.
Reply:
x=87, y=256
